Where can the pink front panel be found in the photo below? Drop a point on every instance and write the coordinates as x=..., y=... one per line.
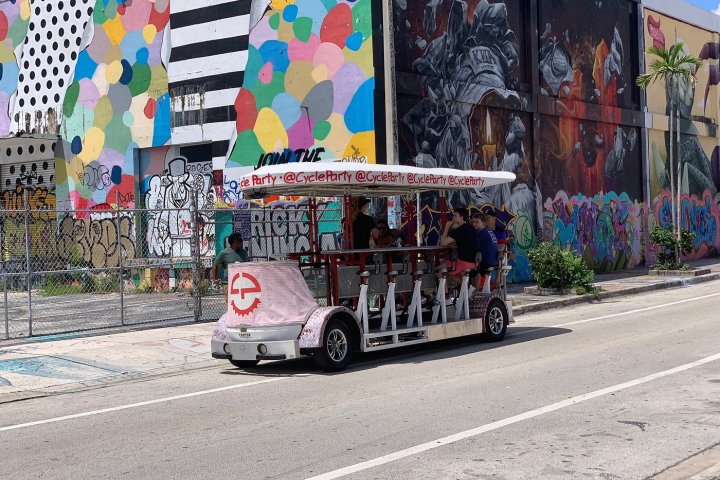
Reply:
x=267, y=294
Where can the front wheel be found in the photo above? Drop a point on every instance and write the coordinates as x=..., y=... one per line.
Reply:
x=244, y=363
x=496, y=320
x=335, y=353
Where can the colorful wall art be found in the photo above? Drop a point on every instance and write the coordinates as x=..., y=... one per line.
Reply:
x=117, y=102
x=308, y=92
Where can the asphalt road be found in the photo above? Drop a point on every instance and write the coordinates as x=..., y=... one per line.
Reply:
x=623, y=389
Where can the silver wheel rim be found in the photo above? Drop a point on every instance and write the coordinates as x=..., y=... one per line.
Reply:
x=496, y=320
x=337, y=345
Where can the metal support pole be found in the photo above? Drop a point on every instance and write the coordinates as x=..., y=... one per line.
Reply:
x=348, y=227
x=314, y=235
x=195, y=254
x=5, y=299
x=4, y=275
x=418, y=221
x=27, y=259
x=120, y=258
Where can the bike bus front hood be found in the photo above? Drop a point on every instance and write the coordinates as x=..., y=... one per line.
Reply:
x=267, y=294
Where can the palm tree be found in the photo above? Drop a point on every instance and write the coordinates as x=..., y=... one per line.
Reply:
x=672, y=66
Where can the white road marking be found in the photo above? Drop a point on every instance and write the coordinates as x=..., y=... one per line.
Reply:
x=507, y=421
x=613, y=315
x=712, y=473
x=654, y=307
x=142, y=404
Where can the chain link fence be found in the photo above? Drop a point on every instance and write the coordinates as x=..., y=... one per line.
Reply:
x=70, y=271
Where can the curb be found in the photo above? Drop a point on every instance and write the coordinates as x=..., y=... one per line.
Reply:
x=674, y=283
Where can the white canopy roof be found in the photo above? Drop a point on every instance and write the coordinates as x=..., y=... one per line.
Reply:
x=332, y=179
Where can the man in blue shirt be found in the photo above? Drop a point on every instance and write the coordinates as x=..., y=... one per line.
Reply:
x=233, y=253
x=486, y=245
x=498, y=228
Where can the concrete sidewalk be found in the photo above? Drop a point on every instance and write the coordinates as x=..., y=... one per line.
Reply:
x=39, y=367
x=628, y=282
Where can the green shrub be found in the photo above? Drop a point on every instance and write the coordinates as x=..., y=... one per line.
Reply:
x=58, y=284
x=665, y=241
x=144, y=287
x=106, y=283
x=559, y=269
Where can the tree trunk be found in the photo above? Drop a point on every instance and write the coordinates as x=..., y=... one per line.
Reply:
x=678, y=204
x=671, y=166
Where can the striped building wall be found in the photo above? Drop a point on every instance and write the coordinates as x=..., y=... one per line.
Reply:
x=209, y=41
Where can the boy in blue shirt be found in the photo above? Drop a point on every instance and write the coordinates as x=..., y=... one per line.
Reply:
x=487, y=245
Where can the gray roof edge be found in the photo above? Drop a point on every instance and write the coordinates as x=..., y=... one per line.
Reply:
x=685, y=12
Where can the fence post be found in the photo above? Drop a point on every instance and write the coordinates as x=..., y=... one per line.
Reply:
x=27, y=260
x=195, y=254
x=4, y=275
x=120, y=258
x=5, y=298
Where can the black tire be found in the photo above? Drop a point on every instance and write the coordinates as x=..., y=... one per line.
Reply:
x=496, y=320
x=336, y=350
x=244, y=363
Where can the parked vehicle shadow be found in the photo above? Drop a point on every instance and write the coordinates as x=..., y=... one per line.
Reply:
x=411, y=354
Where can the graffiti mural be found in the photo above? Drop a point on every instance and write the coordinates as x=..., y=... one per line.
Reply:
x=283, y=228
x=700, y=215
x=606, y=229
x=581, y=65
x=582, y=156
x=168, y=198
x=698, y=153
x=14, y=21
x=460, y=98
x=36, y=180
x=309, y=84
x=96, y=240
x=116, y=102
x=590, y=61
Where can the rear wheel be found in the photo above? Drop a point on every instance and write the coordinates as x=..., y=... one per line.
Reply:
x=496, y=320
x=244, y=363
x=336, y=352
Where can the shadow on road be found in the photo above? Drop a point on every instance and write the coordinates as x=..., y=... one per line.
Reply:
x=412, y=354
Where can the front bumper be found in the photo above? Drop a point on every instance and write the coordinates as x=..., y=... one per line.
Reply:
x=276, y=350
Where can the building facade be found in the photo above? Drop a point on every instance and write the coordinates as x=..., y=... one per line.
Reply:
x=134, y=101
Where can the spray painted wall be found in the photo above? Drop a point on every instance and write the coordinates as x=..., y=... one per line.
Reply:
x=309, y=84
x=698, y=151
x=465, y=100
x=170, y=178
x=116, y=102
x=14, y=21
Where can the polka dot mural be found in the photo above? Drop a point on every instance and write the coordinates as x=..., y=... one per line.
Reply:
x=308, y=89
x=14, y=21
x=118, y=101
x=50, y=52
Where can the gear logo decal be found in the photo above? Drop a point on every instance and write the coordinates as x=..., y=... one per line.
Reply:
x=244, y=294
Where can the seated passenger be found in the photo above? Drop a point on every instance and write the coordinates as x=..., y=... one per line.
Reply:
x=461, y=234
x=498, y=228
x=364, y=227
x=387, y=237
x=486, y=245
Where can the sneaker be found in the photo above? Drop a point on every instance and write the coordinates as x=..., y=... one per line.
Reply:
x=449, y=301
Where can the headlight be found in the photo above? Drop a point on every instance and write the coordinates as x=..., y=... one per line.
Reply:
x=226, y=348
x=262, y=349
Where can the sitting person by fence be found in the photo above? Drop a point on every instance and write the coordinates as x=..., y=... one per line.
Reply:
x=233, y=253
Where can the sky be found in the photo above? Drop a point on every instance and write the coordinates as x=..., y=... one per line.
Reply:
x=712, y=5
